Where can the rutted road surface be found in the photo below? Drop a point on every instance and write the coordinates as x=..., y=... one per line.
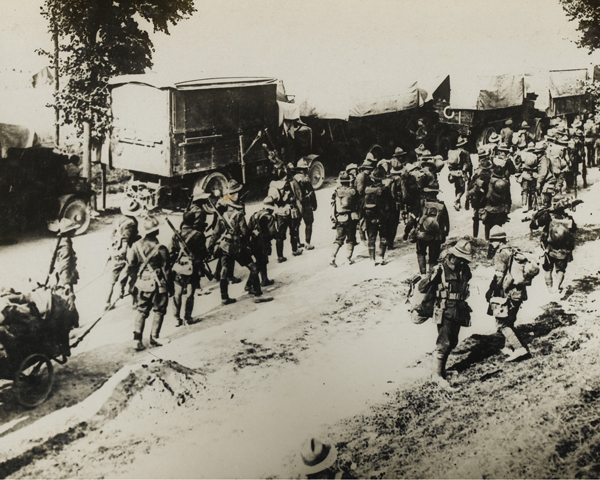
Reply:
x=235, y=394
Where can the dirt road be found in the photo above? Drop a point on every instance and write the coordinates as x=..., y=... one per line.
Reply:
x=235, y=394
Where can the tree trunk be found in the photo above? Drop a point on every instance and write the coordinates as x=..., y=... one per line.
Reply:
x=87, y=154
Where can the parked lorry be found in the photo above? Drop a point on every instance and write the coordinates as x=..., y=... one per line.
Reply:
x=480, y=106
x=180, y=136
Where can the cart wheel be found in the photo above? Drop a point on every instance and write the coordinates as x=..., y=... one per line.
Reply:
x=33, y=380
x=77, y=211
x=316, y=173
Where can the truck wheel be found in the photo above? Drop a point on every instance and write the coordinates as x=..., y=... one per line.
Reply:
x=316, y=173
x=33, y=380
x=484, y=136
x=77, y=211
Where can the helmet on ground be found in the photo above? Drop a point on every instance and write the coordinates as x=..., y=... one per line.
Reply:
x=462, y=249
x=497, y=234
x=315, y=457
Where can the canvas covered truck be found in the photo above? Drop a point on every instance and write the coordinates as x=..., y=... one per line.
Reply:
x=180, y=136
x=480, y=106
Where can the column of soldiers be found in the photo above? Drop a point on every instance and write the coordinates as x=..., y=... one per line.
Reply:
x=211, y=228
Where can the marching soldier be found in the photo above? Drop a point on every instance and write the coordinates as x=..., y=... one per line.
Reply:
x=377, y=205
x=528, y=172
x=506, y=134
x=590, y=130
x=308, y=202
x=507, y=293
x=352, y=170
x=558, y=240
x=230, y=241
x=460, y=170
x=546, y=180
x=185, y=269
x=478, y=188
x=288, y=216
x=395, y=183
x=148, y=263
x=263, y=229
x=345, y=204
x=450, y=280
x=363, y=179
x=125, y=234
x=497, y=201
x=432, y=227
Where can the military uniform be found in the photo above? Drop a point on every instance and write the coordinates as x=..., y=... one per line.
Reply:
x=450, y=281
x=345, y=203
x=186, y=271
x=478, y=187
x=125, y=234
x=148, y=263
x=308, y=201
x=285, y=192
x=460, y=170
x=376, y=212
x=263, y=229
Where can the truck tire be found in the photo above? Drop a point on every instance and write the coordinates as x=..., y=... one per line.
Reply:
x=484, y=136
x=316, y=173
x=77, y=211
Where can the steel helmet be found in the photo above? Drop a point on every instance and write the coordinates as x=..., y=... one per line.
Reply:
x=150, y=225
x=463, y=249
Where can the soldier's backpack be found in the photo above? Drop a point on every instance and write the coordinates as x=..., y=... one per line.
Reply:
x=560, y=235
x=183, y=264
x=498, y=191
x=529, y=160
x=374, y=200
x=421, y=299
x=263, y=222
x=345, y=199
x=454, y=159
x=429, y=226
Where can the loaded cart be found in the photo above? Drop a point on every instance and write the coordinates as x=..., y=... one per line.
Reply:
x=34, y=331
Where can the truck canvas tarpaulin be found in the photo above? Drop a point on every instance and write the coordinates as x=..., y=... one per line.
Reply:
x=486, y=92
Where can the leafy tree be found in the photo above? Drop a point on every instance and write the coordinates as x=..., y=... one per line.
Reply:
x=98, y=39
x=587, y=13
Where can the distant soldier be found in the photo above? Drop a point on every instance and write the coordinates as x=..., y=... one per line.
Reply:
x=506, y=134
x=363, y=180
x=492, y=145
x=527, y=169
x=557, y=155
x=148, y=263
x=497, y=201
x=263, y=229
x=65, y=265
x=432, y=227
x=411, y=197
x=460, y=170
x=576, y=153
x=521, y=138
x=377, y=206
x=185, y=269
x=395, y=185
x=450, y=280
x=590, y=131
x=287, y=212
x=230, y=241
x=345, y=204
x=546, y=179
x=558, y=240
x=308, y=201
x=125, y=234
x=352, y=170
x=421, y=133
x=478, y=188
x=508, y=291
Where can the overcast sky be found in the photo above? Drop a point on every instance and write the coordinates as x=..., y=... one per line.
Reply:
x=310, y=42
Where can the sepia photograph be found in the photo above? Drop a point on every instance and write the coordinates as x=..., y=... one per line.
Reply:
x=295, y=240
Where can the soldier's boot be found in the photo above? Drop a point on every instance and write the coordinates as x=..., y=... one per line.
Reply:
x=422, y=264
x=308, y=236
x=266, y=282
x=475, y=228
x=439, y=372
x=490, y=251
x=279, y=248
x=382, y=250
x=350, y=248
x=512, y=341
x=548, y=280
x=224, y=287
x=138, y=345
x=560, y=276
x=157, y=322
x=525, y=201
x=372, y=254
x=336, y=249
x=189, y=308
